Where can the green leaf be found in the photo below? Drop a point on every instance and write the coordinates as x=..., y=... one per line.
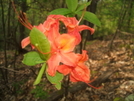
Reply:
x=32, y=58
x=62, y=11
x=28, y=1
x=40, y=74
x=72, y=4
x=118, y=99
x=39, y=40
x=56, y=80
x=130, y=97
x=91, y=17
x=82, y=6
x=58, y=85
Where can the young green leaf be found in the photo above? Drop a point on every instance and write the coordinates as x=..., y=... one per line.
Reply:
x=72, y=4
x=118, y=99
x=61, y=11
x=91, y=17
x=39, y=40
x=58, y=85
x=130, y=97
x=82, y=6
x=40, y=74
x=32, y=58
x=56, y=80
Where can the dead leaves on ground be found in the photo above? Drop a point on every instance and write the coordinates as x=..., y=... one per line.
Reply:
x=120, y=84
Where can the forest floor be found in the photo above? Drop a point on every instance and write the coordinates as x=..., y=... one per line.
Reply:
x=118, y=86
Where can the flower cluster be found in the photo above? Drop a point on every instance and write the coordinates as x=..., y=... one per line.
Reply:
x=62, y=58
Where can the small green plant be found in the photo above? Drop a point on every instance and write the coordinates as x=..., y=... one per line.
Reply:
x=118, y=99
x=38, y=92
x=128, y=98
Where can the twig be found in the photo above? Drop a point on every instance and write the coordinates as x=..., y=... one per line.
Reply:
x=66, y=88
x=10, y=69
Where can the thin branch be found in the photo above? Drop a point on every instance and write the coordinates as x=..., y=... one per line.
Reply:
x=10, y=70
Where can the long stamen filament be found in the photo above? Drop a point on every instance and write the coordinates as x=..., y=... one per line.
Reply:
x=14, y=8
x=93, y=86
x=22, y=18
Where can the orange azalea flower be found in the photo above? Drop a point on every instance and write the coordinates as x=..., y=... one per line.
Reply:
x=61, y=51
x=79, y=72
x=25, y=42
x=73, y=26
x=63, y=45
x=50, y=28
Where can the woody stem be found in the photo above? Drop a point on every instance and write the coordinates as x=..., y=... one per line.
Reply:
x=66, y=87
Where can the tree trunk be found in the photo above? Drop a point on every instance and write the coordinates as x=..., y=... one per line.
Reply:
x=120, y=22
x=4, y=72
x=91, y=8
x=8, y=25
x=21, y=27
x=129, y=14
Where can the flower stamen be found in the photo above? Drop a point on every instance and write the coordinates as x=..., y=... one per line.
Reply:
x=24, y=21
x=22, y=18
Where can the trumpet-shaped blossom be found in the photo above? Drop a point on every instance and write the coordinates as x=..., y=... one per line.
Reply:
x=73, y=26
x=62, y=48
x=50, y=28
x=78, y=72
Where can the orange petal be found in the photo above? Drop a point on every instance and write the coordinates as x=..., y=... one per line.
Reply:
x=72, y=79
x=51, y=26
x=49, y=22
x=65, y=42
x=64, y=69
x=25, y=42
x=53, y=63
x=41, y=28
x=83, y=57
x=84, y=27
x=70, y=22
x=76, y=34
x=80, y=74
x=57, y=16
x=69, y=58
x=53, y=33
